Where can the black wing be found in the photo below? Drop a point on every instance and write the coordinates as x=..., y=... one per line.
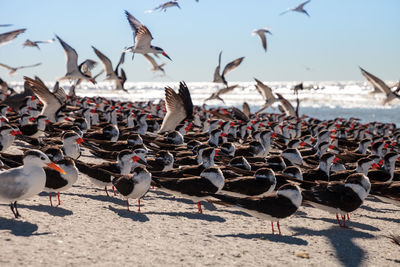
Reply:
x=186, y=99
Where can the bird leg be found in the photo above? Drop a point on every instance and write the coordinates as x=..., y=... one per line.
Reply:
x=344, y=221
x=16, y=210
x=51, y=203
x=138, y=204
x=113, y=188
x=105, y=189
x=279, y=228
x=58, y=197
x=199, y=207
x=127, y=205
x=338, y=220
x=348, y=217
x=12, y=209
x=272, y=226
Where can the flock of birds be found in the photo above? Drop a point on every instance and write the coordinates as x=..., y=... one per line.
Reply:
x=266, y=164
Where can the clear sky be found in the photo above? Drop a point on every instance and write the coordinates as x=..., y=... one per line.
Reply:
x=339, y=36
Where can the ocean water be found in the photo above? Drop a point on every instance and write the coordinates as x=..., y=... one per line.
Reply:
x=335, y=99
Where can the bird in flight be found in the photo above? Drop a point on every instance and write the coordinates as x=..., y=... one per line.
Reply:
x=142, y=38
x=220, y=78
x=164, y=6
x=36, y=43
x=262, y=33
x=299, y=8
x=13, y=70
x=9, y=36
x=153, y=62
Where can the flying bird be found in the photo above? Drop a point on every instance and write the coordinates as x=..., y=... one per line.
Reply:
x=9, y=36
x=220, y=78
x=266, y=93
x=112, y=74
x=299, y=8
x=74, y=71
x=36, y=43
x=13, y=70
x=179, y=107
x=142, y=38
x=216, y=95
x=153, y=62
x=164, y=6
x=380, y=86
x=5, y=25
x=286, y=106
x=262, y=33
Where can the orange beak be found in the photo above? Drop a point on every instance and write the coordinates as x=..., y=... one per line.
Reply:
x=79, y=141
x=55, y=167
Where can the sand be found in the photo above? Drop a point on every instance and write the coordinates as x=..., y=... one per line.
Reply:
x=92, y=229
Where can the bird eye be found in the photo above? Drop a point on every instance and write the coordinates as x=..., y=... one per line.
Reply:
x=42, y=158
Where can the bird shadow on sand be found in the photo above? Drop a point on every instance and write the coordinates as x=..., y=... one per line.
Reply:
x=134, y=216
x=102, y=198
x=191, y=215
x=54, y=211
x=19, y=228
x=291, y=240
x=388, y=219
x=342, y=240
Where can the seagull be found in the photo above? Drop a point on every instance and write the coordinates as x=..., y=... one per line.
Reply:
x=13, y=70
x=262, y=33
x=179, y=107
x=267, y=94
x=74, y=71
x=164, y=6
x=379, y=86
x=112, y=74
x=216, y=95
x=36, y=43
x=9, y=36
x=27, y=180
x=53, y=101
x=218, y=78
x=142, y=38
x=299, y=8
x=153, y=62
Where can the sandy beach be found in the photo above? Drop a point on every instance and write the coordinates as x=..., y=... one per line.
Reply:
x=92, y=229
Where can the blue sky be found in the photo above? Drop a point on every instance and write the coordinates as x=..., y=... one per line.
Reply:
x=339, y=36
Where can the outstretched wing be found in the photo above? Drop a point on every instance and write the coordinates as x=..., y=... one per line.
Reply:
x=72, y=56
x=5, y=66
x=186, y=99
x=176, y=112
x=9, y=36
x=376, y=82
x=217, y=75
x=142, y=35
x=232, y=65
x=105, y=60
x=264, y=90
x=29, y=66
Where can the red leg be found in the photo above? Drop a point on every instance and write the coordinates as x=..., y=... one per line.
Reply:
x=199, y=207
x=279, y=228
x=138, y=204
x=344, y=221
x=58, y=197
x=127, y=204
x=272, y=226
x=51, y=203
x=338, y=220
x=113, y=188
x=348, y=217
x=105, y=189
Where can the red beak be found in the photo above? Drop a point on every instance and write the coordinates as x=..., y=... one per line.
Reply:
x=79, y=141
x=47, y=121
x=336, y=160
x=375, y=166
x=223, y=134
x=303, y=144
x=216, y=152
x=9, y=109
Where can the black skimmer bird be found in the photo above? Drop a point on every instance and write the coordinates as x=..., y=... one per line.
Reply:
x=74, y=71
x=9, y=36
x=13, y=70
x=262, y=34
x=299, y=8
x=164, y=6
x=266, y=93
x=386, y=174
x=25, y=181
x=225, y=90
x=380, y=86
x=135, y=185
x=112, y=74
x=179, y=107
x=56, y=181
x=30, y=43
x=196, y=188
x=142, y=38
x=15, y=101
x=273, y=207
x=338, y=197
x=220, y=78
x=71, y=144
x=37, y=129
x=52, y=101
x=323, y=170
x=163, y=161
x=7, y=136
x=263, y=182
x=102, y=174
x=154, y=64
